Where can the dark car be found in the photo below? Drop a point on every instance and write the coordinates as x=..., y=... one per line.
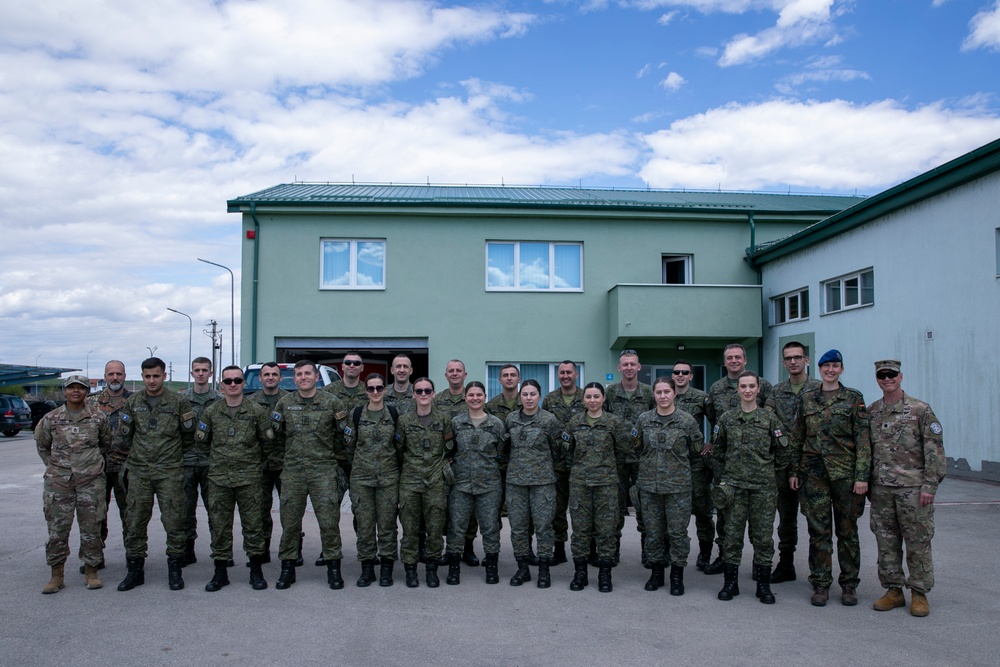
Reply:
x=39, y=409
x=15, y=415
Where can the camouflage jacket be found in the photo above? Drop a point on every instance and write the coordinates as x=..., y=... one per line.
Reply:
x=112, y=406
x=403, y=402
x=563, y=412
x=351, y=397
x=535, y=448
x=595, y=453
x=831, y=437
x=238, y=444
x=498, y=407
x=71, y=447
x=478, y=450
x=744, y=448
x=723, y=397
x=426, y=448
x=907, y=445
x=450, y=404
x=156, y=438
x=666, y=445
x=312, y=430
x=275, y=459
x=373, y=449
x=784, y=403
x=198, y=455
x=692, y=402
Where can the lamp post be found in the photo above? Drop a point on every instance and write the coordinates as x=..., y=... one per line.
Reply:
x=36, y=360
x=190, y=329
x=232, y=308
x=152, y=349
x=88, y=363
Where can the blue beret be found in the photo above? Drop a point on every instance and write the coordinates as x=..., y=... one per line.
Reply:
x=831, y=355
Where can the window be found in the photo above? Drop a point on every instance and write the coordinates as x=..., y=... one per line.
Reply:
x=352, y=264
x=791, y=307
x=547, y=376
x=851, y=291
x=677, y=269
x=534, y=265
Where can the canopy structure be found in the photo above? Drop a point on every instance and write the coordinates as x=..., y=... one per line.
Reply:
x=11, y=374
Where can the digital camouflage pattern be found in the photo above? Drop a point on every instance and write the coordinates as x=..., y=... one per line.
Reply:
x=271, y=473
x=692, y=402
x=351, y=397
x=897, y=519
x=593, y=509
x=374, y=452
x=534, y=454
x=450, y=404
x=196, y=464
x=477, y=454
x=500, y=407
x=563, y=408
x=111, y=407
x=402, y=401
x=628, y=405
x=198, y=454
x=723, y=397
x=527, y=506
x=535, y=447
x=427, y=444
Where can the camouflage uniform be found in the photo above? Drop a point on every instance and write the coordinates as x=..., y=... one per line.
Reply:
x=351, y=397
x=114, y=456
x=745, y=446
x=555, y=403
x=500, y=408
x=628, y=406
x=476, y=491
x=692, y=402
x=239, y=440
x=426, y=444
x=666, y=445
x=271, y=472
x=531, y=479
x=156, y=433
x=373, y=449
x=595, y=453
x=454, y=405
x=403, y=402
x=908, y=459
x=313, y=432
x=196, y=465
x=832, y=451
x=70, y=446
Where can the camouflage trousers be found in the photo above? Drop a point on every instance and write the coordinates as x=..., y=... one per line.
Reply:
x=595, y=513
x=897, y=519
x=375, y=511
x=832, y=506
x=667, y=518
x=270, y=482
x=527, y=506
x=757, y=509
x=60, y=502
x=113, y=482
x=788, y=512
x=701, y=504
x=463, y=508
x=169, y=494
x=560, y=520
x=418, y=502
x=322, y=486
x=627, y=474
x=223, y=501
x=195, y=478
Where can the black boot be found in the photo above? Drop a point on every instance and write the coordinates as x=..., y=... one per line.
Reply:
x=592, y=556
x=220, y=579
x=785, y=571
x=174, y=578
x=764, y=593
x=604, y=576
x=266, y=556
x=367, y=574
x=559, y=555
x=299, y=562
x=320, y=562
x=287, y=576
x=544, y=578
x=532, y=557
x=469, y=556
x=431, y=573
x=677, y=580
x=454, y=570
x=412, y=581
x=333, y=575
x=717, y=566
x=656, y=578
x=523, y=574
x=731, y=585
x=257, y=581
x=704, y=555
x=189, y=555
x=135, y=577
x=385, y=573
x=492, y=571
x=580, y=580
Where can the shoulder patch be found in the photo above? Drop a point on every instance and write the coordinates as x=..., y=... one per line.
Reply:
x=634, y=432
x=777, y=432
x=276, y=416
x=202, y=426
x=935, y=428
x=125, y=417
x=566, y=436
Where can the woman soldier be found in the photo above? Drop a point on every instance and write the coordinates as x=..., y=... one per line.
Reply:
x=596, y=444
x=666, y=438
x=480, y=439
x=531, y=482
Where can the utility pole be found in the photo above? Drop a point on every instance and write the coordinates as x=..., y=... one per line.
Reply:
x=215, y=348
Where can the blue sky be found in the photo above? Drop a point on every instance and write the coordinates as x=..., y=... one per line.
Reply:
x=124, y=128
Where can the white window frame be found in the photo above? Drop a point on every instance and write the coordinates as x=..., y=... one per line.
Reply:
x=688, y=261
x=781, y=306
x=516, y=287
x=841, y=284
x=353, y=285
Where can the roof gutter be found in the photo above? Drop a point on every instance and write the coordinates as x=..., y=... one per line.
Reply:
x=256, y=275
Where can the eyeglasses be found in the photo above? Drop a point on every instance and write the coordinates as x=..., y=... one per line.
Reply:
x=232, y=380
x=682, y=372
x=886, y=375
x=376, y=389
x=426, y=392
x=629, y=353
x=797, y=357
x=352, y=362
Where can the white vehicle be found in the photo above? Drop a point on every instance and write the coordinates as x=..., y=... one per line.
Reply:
x=327, y=375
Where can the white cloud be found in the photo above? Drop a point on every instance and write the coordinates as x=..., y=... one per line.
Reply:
x=825, y=69
x=673, y=81
x=984, y=30
x=665, y=19
x=799, y=22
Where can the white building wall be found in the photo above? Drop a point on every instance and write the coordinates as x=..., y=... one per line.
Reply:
x=937, y=309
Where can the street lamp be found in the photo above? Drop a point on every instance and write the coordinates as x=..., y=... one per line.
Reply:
x=232, y=308
x=152, y=349
x=36, y=360
x=88, y=363
x=190, y=325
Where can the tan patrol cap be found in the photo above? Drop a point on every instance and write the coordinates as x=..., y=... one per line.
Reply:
x=887, y=365
x=76, y=379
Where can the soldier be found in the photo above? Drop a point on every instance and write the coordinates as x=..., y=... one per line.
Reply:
x=667, y=439
x=535, y=436
x=596, y=445
x=267, y=398
x=373, y=451
x=908, y=463
x=312, y=423
x=426, y=442
x=239, y=435
x=784, y=403
x=70, y=441
x=200, y=396
x=692, y=401
x=349, y=389
x=501, y=405
x=745, y=442
x=480, y=442
x=157, y=427
x=831, y=464
x=400, y=392
x=564, y=403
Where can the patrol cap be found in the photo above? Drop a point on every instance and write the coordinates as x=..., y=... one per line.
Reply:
x=831, y=355
x=887, y=365
x=76, y=379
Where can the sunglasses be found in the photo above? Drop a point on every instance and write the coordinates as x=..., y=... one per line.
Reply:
x=426, y=392
x=376, y=389
x=232, y=381
x=682, y=372
x=886, y=375
x=352, y=362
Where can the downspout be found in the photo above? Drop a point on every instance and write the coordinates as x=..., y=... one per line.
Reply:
x=253, y=298
x=760, y=281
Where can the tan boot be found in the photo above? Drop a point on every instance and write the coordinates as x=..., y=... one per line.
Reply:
x=56, y=582
x=918, y=604
x=90, y=576
x=893, y=598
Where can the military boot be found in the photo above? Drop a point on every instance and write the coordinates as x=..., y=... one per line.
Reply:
x=266, y=556
x=764, y=593
x=257, y=581
x=580, y=580
x=717, y=566
x=893, y=598
x=918, y=604
x=412, y=581
x=367, y=574
x=592, y=556
x=532, y=557
x=299, y=561
x=492, y=571
x=656, y=578
x=704, y=555
x=523, y=574
x=57, y=581
x=135, y=576
x=676, y=579
x=287, y=576
x=431, y=573
x=454, y=570
x=604, y=576
x=320, y=561
x=100, y=566
x=189, y=557
x=731, y=585
x=90, y=577
x=820, y=596
x=785, y=570
x=333, y=575
x=174, y=578
x=469, y=556
x=385, y=573
x=220, y=579
x=544, y=577
x=559, y=555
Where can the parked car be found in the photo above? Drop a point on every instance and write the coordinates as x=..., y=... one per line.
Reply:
x=327, y=375
x=15, y=415
x=39, y=409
